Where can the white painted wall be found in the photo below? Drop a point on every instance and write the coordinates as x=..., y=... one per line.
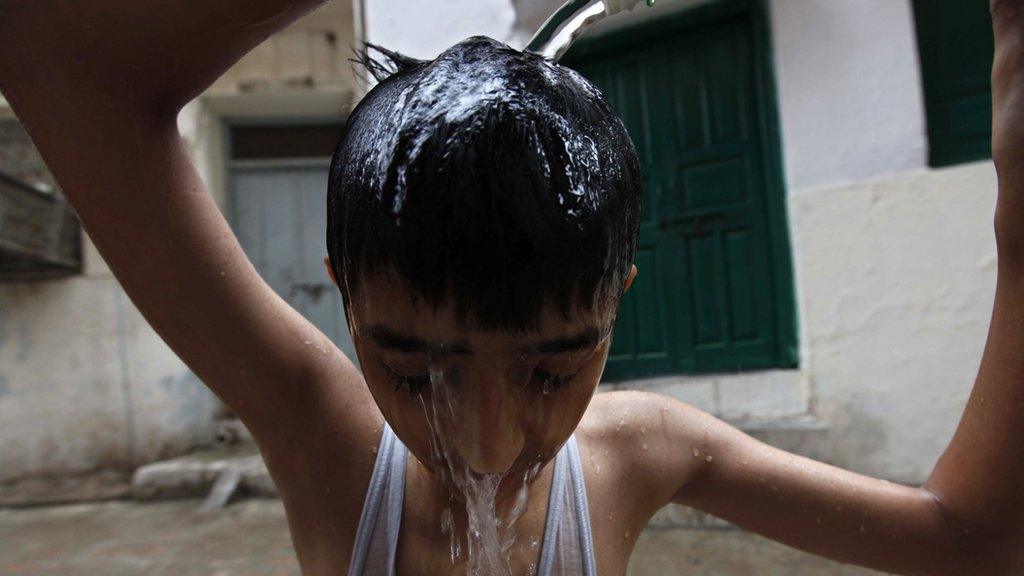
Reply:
x=423, y=29
x=897, y=277
x=849, y=89
x=85, y=384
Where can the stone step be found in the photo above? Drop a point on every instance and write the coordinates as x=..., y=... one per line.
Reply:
x=195, y=475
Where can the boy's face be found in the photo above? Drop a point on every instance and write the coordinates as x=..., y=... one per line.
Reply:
x=497, y=401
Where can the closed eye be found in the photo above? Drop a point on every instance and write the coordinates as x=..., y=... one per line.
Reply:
x=548, y=382
x=411, y=384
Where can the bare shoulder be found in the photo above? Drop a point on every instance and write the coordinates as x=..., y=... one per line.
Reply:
x=648, y=443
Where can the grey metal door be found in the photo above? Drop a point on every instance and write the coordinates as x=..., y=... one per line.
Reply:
x=279, y=215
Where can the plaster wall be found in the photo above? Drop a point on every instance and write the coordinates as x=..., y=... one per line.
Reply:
x=423, y=29
x=897, y=277
x=85, y=383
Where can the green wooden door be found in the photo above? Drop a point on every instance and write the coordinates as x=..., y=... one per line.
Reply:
x=707, y=297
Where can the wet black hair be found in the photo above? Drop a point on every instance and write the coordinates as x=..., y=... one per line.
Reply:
x=488, y=177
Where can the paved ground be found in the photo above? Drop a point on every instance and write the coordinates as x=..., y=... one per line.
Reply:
x=250, y=538
x=173, y=538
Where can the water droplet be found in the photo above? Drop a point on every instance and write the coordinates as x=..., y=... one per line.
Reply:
x=863, y=528
x=550, y=383
x=709, y=458
x=645, y=446
x=696, y=453
x=626, y=535
x=621, y=424
x=643, y=430
x=374, y=449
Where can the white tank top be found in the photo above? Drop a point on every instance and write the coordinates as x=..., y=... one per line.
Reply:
x=568, y=548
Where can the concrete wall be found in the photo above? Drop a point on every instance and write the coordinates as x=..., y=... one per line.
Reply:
x=423, y=29
x=84, y=383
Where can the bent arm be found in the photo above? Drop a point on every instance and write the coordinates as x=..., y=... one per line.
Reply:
x=98, y=86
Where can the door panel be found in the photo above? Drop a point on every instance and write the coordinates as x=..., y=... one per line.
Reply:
x=704, y=299
x=279, y=215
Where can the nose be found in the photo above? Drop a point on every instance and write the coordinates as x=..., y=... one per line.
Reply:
x=490, y=436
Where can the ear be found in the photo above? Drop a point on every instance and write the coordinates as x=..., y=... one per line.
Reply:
x=629, y=279
x=330, y=270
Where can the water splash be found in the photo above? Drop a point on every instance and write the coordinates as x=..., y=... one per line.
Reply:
x=490, y=528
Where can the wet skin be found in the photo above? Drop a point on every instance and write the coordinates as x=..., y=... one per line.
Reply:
x=101, y=108
x=518, y=397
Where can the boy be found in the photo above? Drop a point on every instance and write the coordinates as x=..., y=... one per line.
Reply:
x=482, y=374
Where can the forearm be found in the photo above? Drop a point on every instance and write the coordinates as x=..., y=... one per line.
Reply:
x=968, y=517
x=828, y=511
x=133, y=55
x=980, y=478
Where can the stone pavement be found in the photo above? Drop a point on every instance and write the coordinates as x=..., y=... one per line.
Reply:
x=250, y=538
x=172, y=538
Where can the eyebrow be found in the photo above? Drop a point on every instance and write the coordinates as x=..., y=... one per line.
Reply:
x=391, y=339
x=587, y=338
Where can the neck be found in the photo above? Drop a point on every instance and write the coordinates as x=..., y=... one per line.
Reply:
x=447, y=506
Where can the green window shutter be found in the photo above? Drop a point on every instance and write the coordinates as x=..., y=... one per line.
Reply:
x=714, y=290
x=954, y=39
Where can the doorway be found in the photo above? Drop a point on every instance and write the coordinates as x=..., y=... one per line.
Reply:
x=278, y=202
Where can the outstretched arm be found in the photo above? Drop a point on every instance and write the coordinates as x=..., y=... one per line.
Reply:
x=98, y=85
x=968, y=517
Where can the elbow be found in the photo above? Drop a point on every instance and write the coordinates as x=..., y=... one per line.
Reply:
x=965, y=547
